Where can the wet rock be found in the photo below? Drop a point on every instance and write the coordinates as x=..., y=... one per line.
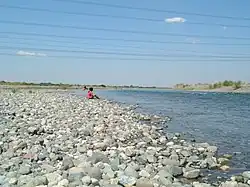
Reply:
x=212, y=149
x=246, y=174
x=238, y=178
x=227, y=156
x=225, y=168
x=201, y=149
x=197, y=184
x=223, y=161
x=229, y=184
x=191, y=173
x=212, y=162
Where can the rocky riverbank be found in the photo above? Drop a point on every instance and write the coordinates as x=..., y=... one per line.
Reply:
x=58, y=140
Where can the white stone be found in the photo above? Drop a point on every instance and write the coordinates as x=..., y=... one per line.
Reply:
x=63, y=183
x=144, y=173
x=170, y=143
x=201, y=149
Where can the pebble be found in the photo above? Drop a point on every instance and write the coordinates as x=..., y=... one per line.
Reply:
x=144, y=173
x=190, y=173
x=53, y=178
x=63, y=183
x=246, y=174
x=170, y=144
x=144, y=183
x=94, y=172
x=127, y=180
x=24, y=169
x=2, y=180
x=225, y=168
x=151, y=159
x=130, y=171
x=86, y=180
x=40, y=180
x=13, y=181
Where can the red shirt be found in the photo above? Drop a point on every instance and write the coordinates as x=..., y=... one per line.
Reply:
x=90, y=95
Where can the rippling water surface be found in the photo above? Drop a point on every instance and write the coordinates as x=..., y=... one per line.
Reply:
x=222, y=119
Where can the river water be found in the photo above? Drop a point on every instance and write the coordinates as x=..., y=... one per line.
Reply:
x=221, y=119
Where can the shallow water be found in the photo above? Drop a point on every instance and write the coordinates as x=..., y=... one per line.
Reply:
x=222, y=119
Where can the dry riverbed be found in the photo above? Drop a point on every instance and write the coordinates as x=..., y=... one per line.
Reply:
x=59, y=140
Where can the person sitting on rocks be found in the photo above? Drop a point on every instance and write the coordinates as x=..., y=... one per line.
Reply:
x=91, y=95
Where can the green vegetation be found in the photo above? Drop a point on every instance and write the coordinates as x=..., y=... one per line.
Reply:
x=238, y=85
x=33, y=84
x=14, y=91
x=67, y=86
x=205, y=86
x=39, y=85
x=226, y=83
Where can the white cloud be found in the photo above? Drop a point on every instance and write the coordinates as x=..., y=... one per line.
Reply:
x=175, y=20
x=26, y=53
x=225, y=28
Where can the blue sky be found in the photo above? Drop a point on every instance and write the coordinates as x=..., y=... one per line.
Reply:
x=46, y=59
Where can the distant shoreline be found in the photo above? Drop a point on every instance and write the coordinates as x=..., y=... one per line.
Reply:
x=220, y=87
x=217, y=90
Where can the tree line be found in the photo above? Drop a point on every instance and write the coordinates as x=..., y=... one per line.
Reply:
x=226, y=83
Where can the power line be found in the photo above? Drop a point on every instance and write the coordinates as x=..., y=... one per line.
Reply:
x=117, y=30
x=119, y=39
x=120, y=47
x=116, y=16
x=153, y=10
x=128, y=59
x=123, y=53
